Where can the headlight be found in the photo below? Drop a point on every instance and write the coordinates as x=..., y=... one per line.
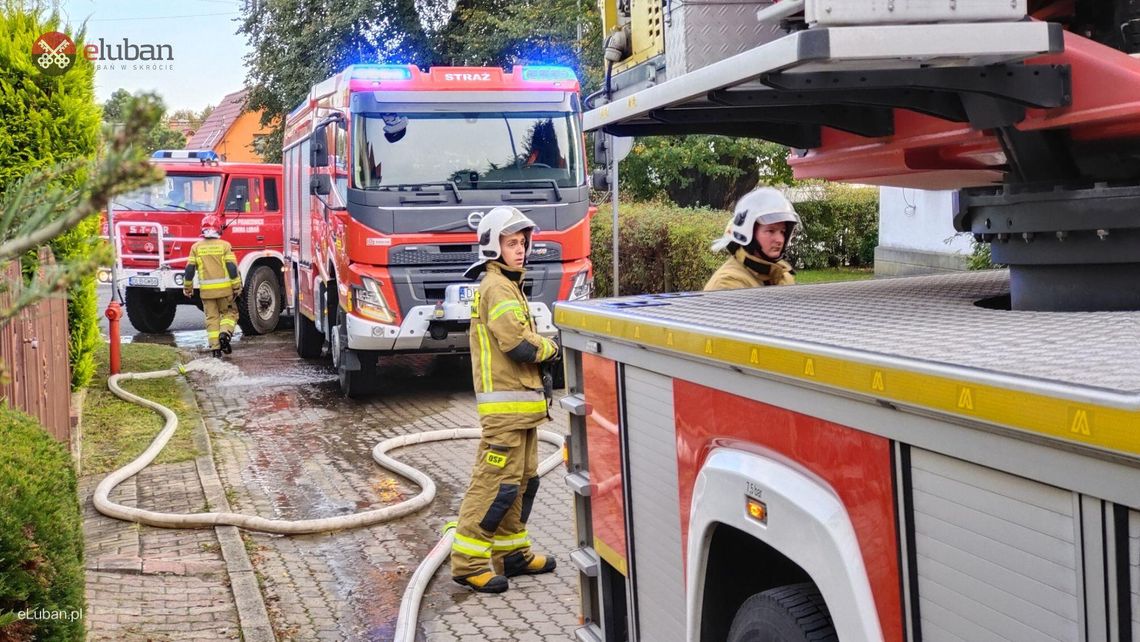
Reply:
x=178, y=279
x=103, y=275
x=582, y=286
x=369, y=302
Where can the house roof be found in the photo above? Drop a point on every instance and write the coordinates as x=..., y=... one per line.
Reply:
x=214, y=129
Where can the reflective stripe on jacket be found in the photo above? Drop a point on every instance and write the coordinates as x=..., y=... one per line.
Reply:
x=734, y=274
x=505, y=353
x=214, y=262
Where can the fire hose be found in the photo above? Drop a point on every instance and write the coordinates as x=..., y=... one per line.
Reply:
x=409, y=606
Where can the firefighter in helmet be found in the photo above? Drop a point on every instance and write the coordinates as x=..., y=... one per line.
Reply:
x=219, y=283
x=756, y=239
x=512, y=395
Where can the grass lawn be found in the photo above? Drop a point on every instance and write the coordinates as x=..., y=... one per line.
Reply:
x=834, y=274
x=115, y=431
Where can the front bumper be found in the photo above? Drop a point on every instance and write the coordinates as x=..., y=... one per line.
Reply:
x=154, y=279
x=414, y=333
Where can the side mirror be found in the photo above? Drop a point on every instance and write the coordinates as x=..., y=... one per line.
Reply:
x=320, y=185
x=601, y=150
x=319, y=148
x=600, y=179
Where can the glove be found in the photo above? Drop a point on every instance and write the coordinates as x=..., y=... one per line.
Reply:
x=557, y=348
x=547, y=383
x=237, y=293
x=189, y=292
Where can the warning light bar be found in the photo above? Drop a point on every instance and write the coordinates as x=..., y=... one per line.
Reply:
x=547, y=74
x=381, y=72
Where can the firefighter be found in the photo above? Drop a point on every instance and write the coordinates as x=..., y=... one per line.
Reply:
x=219, y=283
x=513, y=397
x=756, y=239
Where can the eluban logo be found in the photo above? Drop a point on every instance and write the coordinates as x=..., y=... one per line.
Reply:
x=53, y=53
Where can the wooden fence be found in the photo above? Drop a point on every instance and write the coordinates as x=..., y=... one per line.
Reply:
x=33, y=348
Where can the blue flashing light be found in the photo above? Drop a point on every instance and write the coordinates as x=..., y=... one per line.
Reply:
x=381, y=72
x=547, y=74
x=203, y=155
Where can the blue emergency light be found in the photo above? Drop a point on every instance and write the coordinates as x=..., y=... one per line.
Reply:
x=201, y=155
x=381, y=72
x=547, y=73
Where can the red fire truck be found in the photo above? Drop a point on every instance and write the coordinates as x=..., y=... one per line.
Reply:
x=156, y=225
x=388, y=170
x=952, y=457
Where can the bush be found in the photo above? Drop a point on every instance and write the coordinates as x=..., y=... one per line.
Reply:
x=51, y=120
x=840, y=229
x=663, y=248
x=41, y=534
x=695, y=171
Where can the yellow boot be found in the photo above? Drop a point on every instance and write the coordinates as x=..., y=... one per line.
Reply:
x=517, y=564
x=485, y=582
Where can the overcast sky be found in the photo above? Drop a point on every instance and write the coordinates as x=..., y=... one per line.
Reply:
x=208, y=55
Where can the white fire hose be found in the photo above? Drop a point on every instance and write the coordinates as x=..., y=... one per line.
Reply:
x=409, y=607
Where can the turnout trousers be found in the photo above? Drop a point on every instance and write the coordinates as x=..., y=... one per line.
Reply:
x=221, y=316
x=494, y=512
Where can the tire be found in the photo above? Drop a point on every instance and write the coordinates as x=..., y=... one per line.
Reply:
x=308, y=341
x=792, y=613
x=150, y=311
x=261, y=302
x=353, y=383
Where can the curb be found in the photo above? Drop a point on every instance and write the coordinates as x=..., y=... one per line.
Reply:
x=252, y=614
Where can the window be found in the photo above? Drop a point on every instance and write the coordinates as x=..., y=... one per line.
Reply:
x=271, y=194
x=237, y=198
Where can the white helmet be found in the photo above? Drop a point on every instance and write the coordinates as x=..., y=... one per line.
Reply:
x=499, y=221
x=764, y=205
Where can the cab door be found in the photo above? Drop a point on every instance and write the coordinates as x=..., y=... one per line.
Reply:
x=243, y=208
x=272, y=235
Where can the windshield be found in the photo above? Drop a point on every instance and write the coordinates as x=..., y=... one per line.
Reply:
x=176, y=193
x=487, y=150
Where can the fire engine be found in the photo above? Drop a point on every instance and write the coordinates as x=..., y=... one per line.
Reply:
x=155, y=227
x=951, y=457
x=388, y=171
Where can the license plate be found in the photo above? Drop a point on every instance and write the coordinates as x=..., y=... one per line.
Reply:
x=466, y=293
x=146, y=281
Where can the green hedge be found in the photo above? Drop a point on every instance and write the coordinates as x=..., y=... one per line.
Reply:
x=41, y=535
x=665, y=248
x=49, y=120
x=840, y=229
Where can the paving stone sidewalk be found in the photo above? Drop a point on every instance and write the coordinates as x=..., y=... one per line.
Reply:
x=286, y=445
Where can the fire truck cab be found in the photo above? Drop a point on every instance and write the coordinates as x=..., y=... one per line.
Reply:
x=155, y=226
x=389, y=170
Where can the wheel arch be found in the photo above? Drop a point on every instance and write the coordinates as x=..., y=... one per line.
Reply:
x=807, y=536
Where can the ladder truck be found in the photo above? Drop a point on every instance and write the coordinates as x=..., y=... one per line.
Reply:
x=950, y=457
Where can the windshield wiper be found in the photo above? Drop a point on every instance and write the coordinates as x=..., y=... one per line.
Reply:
x=403, y=186
x=145, y=205
x=553, y=183
x=184, y=209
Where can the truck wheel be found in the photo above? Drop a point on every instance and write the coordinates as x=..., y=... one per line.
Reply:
x=306, y=338
x=353, y=383
x=791, y=613
x=150, y=310
x=260, y=306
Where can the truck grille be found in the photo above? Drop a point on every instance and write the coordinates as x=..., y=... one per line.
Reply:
x=460, y=254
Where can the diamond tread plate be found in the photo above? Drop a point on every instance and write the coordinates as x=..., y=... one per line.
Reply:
x=928, y=320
